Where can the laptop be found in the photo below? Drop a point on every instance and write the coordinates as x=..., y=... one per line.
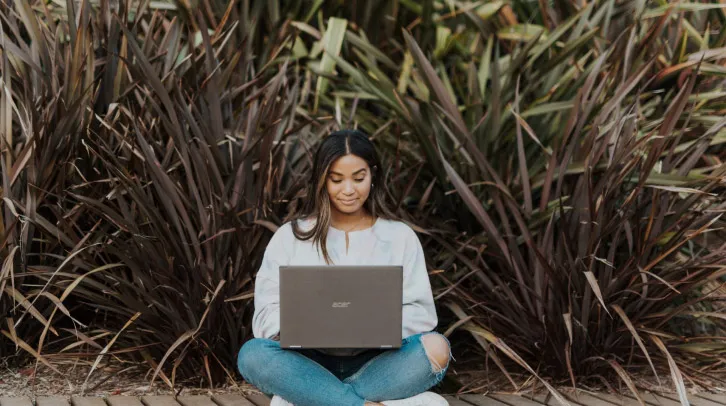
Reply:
x=339, y=306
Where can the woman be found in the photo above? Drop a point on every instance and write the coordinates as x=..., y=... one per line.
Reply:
x=344, y=221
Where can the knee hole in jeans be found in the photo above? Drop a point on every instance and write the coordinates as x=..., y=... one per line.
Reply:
x=438, y=350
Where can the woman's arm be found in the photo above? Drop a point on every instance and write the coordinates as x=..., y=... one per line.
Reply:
x=266, y=319
x=419, y=312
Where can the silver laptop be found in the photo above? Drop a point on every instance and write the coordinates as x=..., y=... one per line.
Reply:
x=341, y=306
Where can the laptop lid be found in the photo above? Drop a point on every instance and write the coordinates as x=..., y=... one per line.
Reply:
x=341, y=306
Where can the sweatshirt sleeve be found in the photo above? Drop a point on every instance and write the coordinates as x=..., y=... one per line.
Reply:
x=266, y=318
x=419, y=312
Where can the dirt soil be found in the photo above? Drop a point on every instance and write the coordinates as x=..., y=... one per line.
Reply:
x=107, y=380
x=123, y=379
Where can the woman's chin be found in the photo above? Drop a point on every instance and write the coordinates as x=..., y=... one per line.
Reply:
x=348, y=209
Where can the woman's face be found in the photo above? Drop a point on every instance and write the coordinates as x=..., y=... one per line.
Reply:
x=348, y=183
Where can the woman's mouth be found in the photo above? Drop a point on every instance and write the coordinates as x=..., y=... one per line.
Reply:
x=348, y=202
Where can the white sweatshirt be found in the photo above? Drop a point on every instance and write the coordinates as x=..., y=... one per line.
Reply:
x=388, y=242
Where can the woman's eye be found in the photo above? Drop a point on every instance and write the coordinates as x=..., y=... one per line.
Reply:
x=340, y=180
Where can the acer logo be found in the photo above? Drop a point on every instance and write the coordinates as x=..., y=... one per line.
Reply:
x=341, y=304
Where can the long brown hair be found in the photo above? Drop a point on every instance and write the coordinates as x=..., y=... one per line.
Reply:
x=317, y=202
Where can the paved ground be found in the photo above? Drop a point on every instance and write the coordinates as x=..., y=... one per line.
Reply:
x=579, y=399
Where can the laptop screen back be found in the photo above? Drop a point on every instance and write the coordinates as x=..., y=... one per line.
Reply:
x=341, y=306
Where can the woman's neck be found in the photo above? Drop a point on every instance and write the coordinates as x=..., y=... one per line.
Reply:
x=344, y=221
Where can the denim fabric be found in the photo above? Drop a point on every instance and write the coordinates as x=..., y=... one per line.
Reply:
x=311, y=378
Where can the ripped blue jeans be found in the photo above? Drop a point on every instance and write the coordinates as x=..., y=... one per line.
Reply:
x=312, y=378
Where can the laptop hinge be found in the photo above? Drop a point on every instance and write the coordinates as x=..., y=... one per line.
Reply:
x=295, y=346
x=386, y=346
